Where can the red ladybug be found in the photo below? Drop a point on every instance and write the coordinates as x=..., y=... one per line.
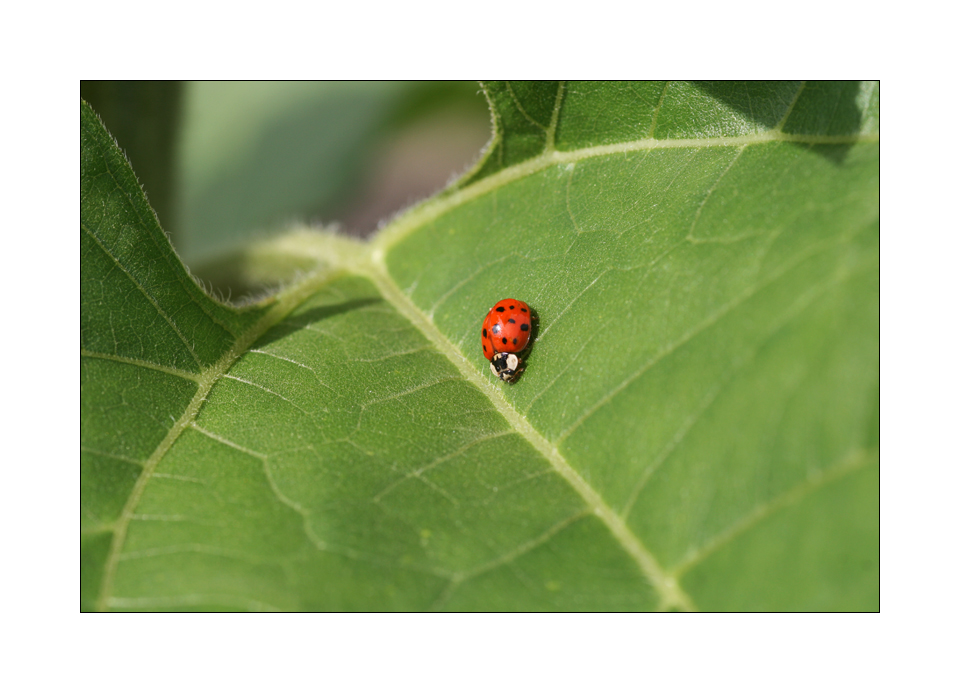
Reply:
x=505, y=335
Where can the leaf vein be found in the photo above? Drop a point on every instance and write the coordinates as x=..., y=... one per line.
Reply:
x=284, y=303
x=505, y=558
x=656, y=111
x=549, y=145
x=142, y=364
x=711, y=320
x=430, y=210
x=520, y=108
x=269, y=391
x=670, y=592
x=146, y=293
x=706, y=198
x=790, y=107
x=854, y=461
x=111, y=455
x=437, y=462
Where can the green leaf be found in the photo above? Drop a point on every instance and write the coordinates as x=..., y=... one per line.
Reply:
x=255, y=155
x=697, y=426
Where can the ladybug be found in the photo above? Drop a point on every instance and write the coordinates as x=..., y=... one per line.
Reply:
x=505, y=336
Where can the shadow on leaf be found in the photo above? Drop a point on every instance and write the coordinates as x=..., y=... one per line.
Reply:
x=297, y=322
x=820, y=108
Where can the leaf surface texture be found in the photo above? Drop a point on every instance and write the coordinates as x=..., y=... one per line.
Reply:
x=697, y=427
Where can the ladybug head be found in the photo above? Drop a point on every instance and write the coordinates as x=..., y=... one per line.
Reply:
x=505, y=366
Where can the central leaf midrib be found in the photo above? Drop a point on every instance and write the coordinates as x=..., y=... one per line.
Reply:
x=671, y=594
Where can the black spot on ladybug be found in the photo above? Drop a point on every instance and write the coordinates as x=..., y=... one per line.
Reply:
x=514, y=340
x=484, y=331
x=496, y=329
x=524, y=328
x=504, y=340
x=500, y=309
x=512, y=307
x=512, y=320
x=524, y=310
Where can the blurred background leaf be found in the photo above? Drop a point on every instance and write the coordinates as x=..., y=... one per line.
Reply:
x=226, y=162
